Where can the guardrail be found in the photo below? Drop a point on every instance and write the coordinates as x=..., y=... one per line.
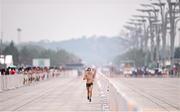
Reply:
x=11, y=81
x=8, y=82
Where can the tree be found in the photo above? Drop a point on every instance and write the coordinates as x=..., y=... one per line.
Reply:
x=57, y=58
x=12, y=50
x=136, y=55
x=177, y=53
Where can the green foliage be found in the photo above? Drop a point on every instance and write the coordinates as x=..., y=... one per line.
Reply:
x=177, y=52
x=12, y=50
x=138, y=56
x=25, y=54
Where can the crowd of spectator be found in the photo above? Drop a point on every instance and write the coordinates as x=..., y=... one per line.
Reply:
x=144, y=71
x=32, y=74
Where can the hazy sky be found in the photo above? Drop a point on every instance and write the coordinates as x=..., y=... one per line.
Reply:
x=65, y=19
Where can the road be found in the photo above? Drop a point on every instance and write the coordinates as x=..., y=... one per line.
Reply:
x=60, y=94
x=64, y=93
x=67, y=93
x=150, y=94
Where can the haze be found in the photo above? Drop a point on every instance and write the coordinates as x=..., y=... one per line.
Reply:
x=57, y=20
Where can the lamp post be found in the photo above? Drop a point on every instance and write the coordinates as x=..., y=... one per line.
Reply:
x=145, y=37
x=143, y=42
x=151, y=29
x=157, y=46
x=179, y=37
x=172, y=7
x=137, y=31
x=1, y=46
x=178, y=1
x=163, y=14
x=19, y=35
x=131, y=30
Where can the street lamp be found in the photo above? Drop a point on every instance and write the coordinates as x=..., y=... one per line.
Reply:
x=1, y=47
x=172, y=8
x=155, y=11
x=145, y=37
x=179, y=37
x=150, y=19
x=19, y=35
x=136, y=31
x=179, y=5
x=163, y=14
x=151, y=6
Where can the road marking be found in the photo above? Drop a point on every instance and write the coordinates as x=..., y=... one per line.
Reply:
x=103, y=98
x=130, y=102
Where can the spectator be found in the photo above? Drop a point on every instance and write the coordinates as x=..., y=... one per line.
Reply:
x=12, y=71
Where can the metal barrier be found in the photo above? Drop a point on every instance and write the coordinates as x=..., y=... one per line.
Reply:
x=10, y=81
x=18, y=80
x=1, y=83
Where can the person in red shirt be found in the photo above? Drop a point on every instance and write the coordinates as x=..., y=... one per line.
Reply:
x=12, y=72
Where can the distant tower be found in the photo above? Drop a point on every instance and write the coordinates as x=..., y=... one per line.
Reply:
x=19, y=30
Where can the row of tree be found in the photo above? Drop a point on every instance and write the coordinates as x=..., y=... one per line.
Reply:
x=23, y=55
x=136, y=56
x=139, y=56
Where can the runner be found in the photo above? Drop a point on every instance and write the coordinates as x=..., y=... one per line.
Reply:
x=94, y=72
x=89, y=77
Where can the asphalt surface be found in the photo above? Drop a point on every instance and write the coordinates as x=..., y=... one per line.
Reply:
x=67, y=93
x=150, y=94
x=60, y=94
x=64, y=93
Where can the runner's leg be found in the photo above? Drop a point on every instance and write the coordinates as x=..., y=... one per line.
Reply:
x=90, y=92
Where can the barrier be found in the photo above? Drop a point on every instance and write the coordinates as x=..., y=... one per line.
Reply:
x=1, y=83
x=18, y=80
x=72, y=73
x=11, y=81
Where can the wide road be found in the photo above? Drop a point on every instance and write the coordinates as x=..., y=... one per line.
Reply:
x=67, y=93
x=64, y=93
x=150, y=94
x=59, y=94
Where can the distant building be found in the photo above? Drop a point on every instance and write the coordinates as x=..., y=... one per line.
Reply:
x=76, y=66
x=6, y=60
x=41, y=62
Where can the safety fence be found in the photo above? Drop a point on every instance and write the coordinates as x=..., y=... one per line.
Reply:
x=8, y=82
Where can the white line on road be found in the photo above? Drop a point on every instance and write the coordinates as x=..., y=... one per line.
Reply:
x=121, y=93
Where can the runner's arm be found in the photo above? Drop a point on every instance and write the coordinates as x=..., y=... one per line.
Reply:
x=94, y=74
x=85, y=77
